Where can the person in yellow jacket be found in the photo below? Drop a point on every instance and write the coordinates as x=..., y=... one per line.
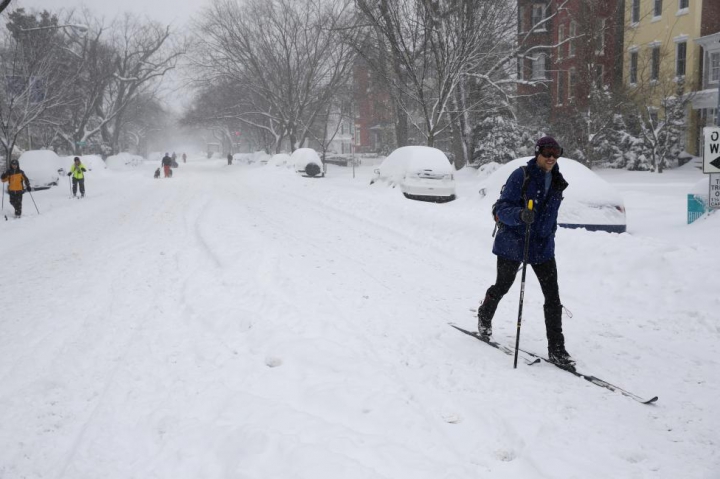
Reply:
x=77, y=171
x=15, y=177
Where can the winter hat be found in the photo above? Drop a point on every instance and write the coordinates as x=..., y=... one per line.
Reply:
x=546, y=142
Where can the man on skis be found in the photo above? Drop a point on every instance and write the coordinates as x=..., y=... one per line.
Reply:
x=15, y=177
x=77, y=171
x=540, y=181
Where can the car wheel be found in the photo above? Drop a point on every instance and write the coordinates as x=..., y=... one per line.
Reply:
x=312, y=170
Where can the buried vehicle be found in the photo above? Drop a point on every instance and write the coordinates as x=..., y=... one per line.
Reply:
x=307, y=161
x=41, y=167
x=423, y=173
x=589, y=202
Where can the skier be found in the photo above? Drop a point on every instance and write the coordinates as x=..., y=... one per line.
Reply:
x=229, y=158
x=184, y=157
x=77, y=171
x=166, y=163
x=15, y=177
x=544, y=186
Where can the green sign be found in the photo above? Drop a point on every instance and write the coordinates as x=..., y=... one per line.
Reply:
x=696, y=207
x=80, y=143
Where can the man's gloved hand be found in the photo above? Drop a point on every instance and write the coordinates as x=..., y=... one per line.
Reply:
x=28, y=188
x=527, y=216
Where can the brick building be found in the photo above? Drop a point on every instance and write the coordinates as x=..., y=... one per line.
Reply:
x=566, y=50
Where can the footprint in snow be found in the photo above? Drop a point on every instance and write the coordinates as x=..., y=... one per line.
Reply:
x=273, y=362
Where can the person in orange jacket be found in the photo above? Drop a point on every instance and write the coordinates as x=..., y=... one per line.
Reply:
x=15, y=177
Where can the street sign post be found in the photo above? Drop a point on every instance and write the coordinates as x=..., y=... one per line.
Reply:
x=711, y=152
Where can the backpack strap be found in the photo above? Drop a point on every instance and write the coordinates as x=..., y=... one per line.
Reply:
x=523, y=195
x=526, y=179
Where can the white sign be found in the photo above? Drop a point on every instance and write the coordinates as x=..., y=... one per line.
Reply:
x=714, y=198
x=711, y=154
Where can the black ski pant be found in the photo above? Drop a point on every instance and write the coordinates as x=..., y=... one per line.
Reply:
x=547, y=276
x=16, y=201
x=81, y=182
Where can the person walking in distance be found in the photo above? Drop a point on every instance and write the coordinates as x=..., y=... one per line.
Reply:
x=229, y=158
x=166, y=164
x=15, y=178
x=540, y=181
x=77, y=171
x=184, y=157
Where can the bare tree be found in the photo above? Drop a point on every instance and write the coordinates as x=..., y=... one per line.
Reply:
x=452, y=61
x=34, y=74
x=143, y=53
x=286, y=53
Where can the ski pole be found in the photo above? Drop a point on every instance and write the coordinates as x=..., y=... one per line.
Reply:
x=33, y=200
x=522, y=286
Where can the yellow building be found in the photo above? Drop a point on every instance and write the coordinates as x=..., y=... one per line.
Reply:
x=660, y=51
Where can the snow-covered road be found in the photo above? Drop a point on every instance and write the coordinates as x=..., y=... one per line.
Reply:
x=238, y=322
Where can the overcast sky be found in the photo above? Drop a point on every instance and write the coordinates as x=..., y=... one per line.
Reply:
x=176, y=12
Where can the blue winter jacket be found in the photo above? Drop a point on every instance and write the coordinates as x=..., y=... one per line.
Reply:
x=510, y=240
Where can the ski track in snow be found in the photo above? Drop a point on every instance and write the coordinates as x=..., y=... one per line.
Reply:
x=247, y=323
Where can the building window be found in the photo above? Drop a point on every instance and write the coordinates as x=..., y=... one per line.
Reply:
x=714, y=67
x=657, y=8
x=571, y=40
x=655, y=66
x=572, y=82
x=538, y=15
x=561, y=88
x=599, y=73
x=538, y=67
x=561, y=37
x=684, y=4
x=633, y=67
x=680, y=58
x=520, y=67
x=635, y=15
x=601, y=37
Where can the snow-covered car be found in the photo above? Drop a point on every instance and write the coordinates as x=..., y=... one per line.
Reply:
x=589, y=201
x=422, y=172
x=41, y=168
x=306, y=160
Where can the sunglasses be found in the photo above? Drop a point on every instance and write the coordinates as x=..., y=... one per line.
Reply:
x=548, y=152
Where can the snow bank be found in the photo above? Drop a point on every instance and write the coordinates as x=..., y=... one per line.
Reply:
x=281, y=159
x=123, y=161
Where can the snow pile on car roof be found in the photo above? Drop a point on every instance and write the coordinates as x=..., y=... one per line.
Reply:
x=40, y=166
x=414, y=158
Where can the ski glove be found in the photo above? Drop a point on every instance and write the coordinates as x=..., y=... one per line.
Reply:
x=28, y=188
x=527, y=216
x=70, y=174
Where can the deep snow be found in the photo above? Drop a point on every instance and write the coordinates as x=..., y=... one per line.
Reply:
x=246, y=322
